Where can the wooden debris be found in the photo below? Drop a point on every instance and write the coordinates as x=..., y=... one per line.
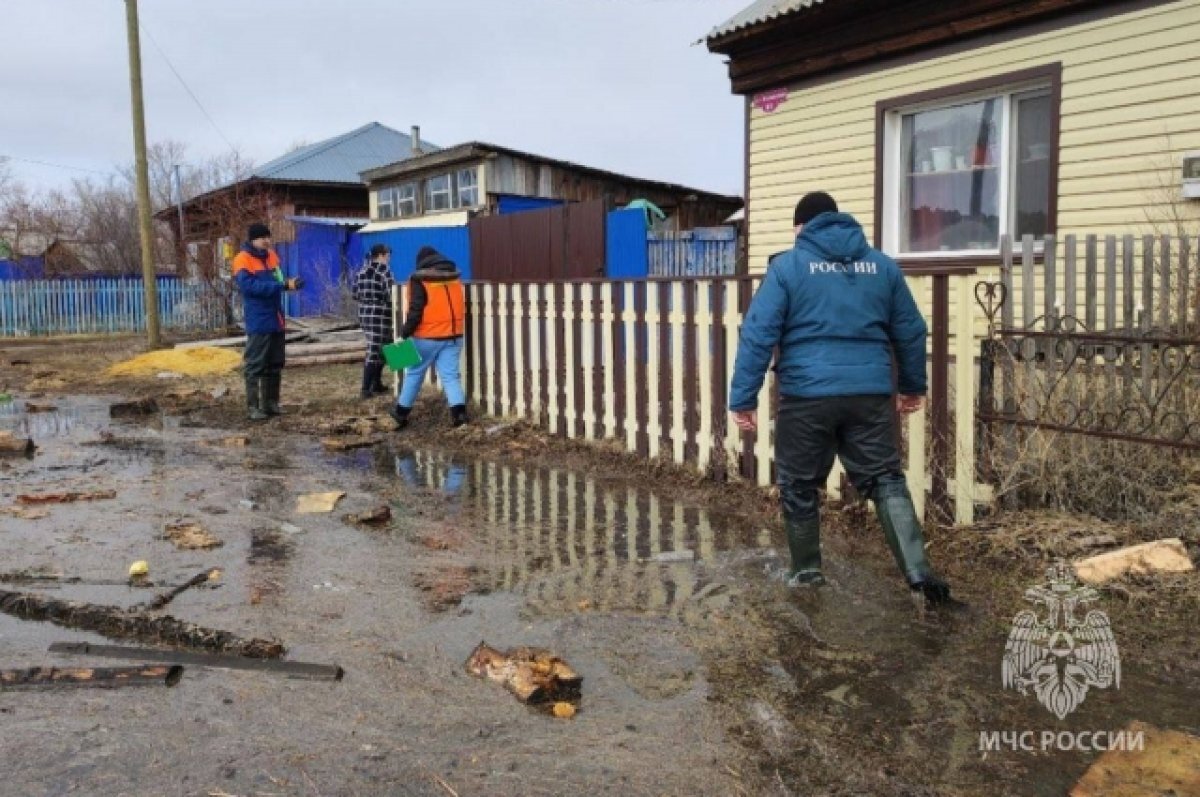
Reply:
x=372, y=517
x=533, y=675
x=194, y=581
x=348, y=443
x=564, y=711
x=1160, y=556
x=15, y=446
x=102, y=677
x=190, y=536
x=66, y=498
x=292, y=669
x=23, y=513
x=318, y=503
x=32, y=408
x=325, y=359
x=133, y=409
x=237, y=441
x=117, y=623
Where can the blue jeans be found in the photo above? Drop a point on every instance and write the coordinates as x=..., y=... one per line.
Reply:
x=445, y=355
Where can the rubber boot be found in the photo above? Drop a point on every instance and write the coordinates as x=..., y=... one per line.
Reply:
x=400, y=415
x=377, y=386
x=458, y=414
x=271, y=386
x=368, y=382
x=902, y=528
x=804, y=544
x=254, y=399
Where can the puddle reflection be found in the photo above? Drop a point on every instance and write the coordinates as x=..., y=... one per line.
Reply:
x=562, y=539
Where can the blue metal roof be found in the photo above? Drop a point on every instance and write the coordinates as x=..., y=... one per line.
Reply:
x=341, y=158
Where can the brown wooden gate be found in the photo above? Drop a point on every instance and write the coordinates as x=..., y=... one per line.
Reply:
x=564, y=242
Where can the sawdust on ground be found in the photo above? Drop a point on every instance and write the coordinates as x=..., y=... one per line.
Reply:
x=202, y=361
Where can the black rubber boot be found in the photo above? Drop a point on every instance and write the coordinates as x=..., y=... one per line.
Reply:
x=377, y=386
x=270, y=392
x=804, y=544
x=254, y=399
x=458, y=414
x=902, y=528
x=400, y=415
x=368, y=382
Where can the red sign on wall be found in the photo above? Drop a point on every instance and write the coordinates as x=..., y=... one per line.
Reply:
x=768, y=101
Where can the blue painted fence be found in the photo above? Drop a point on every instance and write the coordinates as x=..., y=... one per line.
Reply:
x=453, y=242
x=98, y=306
x=702, y=252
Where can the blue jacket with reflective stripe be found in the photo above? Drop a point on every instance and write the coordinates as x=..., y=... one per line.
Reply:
x=838, y=310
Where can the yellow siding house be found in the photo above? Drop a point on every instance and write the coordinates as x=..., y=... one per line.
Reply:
x=944, y=126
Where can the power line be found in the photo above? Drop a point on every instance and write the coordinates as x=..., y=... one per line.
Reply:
x=186, y=87
x=54, y=165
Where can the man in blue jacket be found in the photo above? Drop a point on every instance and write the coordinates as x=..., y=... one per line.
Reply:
x=839, y=312
x=261, y=282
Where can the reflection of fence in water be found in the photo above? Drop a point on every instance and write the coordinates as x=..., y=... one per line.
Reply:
x=559, y=538
x=40, y=425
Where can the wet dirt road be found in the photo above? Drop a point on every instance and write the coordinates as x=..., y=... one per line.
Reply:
x=703, y=674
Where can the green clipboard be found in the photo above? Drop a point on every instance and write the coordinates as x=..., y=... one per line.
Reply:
x=401, y=354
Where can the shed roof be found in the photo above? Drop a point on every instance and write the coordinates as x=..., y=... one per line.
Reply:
x=759, y=12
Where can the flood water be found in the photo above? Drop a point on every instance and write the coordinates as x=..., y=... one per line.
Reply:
x=703, y=673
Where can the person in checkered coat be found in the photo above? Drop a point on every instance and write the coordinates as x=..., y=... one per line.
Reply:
x=372, y=289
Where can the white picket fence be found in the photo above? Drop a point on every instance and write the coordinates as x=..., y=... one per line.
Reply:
x=647, y=363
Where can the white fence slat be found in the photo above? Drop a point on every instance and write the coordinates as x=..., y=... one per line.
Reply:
x=678, y=321
x=704, y=359
x=570, y=315
x=629, y=356
x=607, y=362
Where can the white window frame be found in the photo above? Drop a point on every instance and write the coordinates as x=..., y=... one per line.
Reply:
x=892, y=174
x=406, y=195
x=458, y=187
x=386, y=198
x=430, y=193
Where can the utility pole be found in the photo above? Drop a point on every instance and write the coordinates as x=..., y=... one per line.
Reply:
x=143, y=174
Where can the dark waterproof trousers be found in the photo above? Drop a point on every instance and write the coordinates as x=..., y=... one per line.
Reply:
x=264, y=355
x=809, y=433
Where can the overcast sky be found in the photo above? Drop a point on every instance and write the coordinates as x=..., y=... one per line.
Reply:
x=616, y=84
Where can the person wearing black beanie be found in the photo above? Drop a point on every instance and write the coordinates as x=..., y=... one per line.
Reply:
x=260, y=280
x=839, y=313
x=435, y=322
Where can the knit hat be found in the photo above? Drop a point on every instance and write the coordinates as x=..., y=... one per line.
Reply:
x=380, y=249
x=428, y=257
x=258, y=230
x=813, y=205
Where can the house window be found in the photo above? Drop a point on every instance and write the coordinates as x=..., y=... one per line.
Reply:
x=438, y=195
x=467, y=185
x=406, y=199
x=386, y=203
x=963, y=168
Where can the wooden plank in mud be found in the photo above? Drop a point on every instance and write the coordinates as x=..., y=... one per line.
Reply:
x=292, y=669
x=95, y=677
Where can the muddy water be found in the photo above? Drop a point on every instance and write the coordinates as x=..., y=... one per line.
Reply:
x=703, y=673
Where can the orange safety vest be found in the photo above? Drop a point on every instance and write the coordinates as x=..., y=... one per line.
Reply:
x=445, y=309
x=247, y=261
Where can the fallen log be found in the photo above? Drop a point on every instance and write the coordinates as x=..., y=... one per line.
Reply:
x=326, y=359
x=292, y=669
x=117, y=623
x=15, y=446
x=312, y=349
x=101, y=677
